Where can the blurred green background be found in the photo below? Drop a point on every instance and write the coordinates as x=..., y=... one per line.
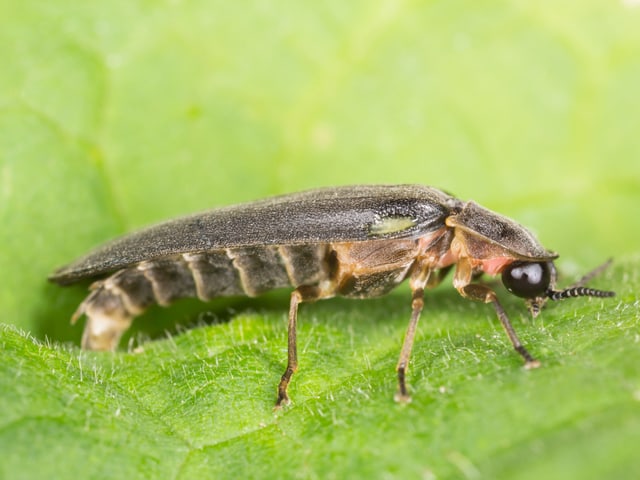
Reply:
x=117, y=114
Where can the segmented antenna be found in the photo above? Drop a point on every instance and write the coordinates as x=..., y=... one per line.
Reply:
x=579, y=290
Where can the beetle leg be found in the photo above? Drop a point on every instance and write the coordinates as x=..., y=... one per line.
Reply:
x=421, y=277
x=292, y=349
x=435, y=280
x=417, y=303
x=483, y=293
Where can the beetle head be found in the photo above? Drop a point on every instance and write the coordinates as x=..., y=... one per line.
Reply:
x=535, y=282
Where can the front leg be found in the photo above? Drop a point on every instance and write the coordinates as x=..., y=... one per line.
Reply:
x=483, y=293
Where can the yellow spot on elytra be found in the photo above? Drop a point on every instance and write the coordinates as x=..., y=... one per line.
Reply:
x=391, y=225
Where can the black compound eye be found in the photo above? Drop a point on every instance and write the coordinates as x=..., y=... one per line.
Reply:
x=527, y=280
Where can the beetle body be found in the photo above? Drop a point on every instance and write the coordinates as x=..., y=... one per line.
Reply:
x=355, y=241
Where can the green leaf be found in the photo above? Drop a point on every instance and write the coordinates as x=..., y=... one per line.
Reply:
x=118, y=114
x=201, y=403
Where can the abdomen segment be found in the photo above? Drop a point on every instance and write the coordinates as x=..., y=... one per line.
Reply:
x=116, y=300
